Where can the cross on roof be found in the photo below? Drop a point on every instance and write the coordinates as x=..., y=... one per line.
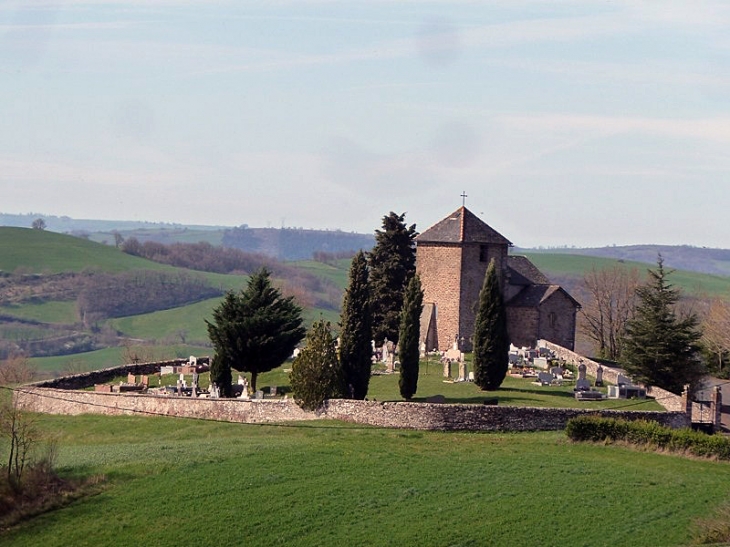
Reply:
x=463, y=198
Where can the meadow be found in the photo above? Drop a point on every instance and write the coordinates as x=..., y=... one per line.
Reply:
x=190, y=482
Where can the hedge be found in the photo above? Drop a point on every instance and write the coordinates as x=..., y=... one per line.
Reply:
x=642, y=432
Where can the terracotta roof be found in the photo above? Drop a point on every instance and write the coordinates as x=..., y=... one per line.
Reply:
x=523, y=272
x=462, y=226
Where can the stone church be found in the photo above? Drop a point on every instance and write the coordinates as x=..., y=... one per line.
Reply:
x=452, y=258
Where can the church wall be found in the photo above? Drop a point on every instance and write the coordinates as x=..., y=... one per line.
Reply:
x=438, y=266
x=522, y=326
x=557, y=320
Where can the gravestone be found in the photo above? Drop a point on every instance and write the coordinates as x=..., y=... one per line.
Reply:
x=145, y=380
x=447, y=368
x=462, y=371
x=540, y=362
x=259, y=394
x=582, y=385
x=581, y=372
x=131, y=379
x=599, y=376
x=272, y=391
x=545, y=378
x=623, y=380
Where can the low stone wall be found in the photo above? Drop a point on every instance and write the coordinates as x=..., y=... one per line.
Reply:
x=89, y=379
x=422, y=416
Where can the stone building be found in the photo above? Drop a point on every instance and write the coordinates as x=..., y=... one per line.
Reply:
x=452, y=258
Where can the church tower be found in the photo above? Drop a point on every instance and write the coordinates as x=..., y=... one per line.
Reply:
x=451, y=259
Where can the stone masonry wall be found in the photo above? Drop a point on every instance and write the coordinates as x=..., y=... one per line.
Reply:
x=422, y=416
x=88, y=379
x=671, y=401
x=563, y=331
x=438, y=266
x=522, y=325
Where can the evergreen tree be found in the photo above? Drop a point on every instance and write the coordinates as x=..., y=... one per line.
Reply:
x=220, y=375
x=257, y=329
x=392, y=263
x=316, y=374
x=410, y=330
x=491, y=341
x=661, y=348
x=356, y=335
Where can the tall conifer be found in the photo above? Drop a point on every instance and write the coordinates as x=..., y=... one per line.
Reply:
x=661, y=348
x=410, y=330
x=356, y=334
x=392, y=263
x=491, y=341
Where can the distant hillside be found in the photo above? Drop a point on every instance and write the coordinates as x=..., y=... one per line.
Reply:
x=66, y=224
x=680, y=257
x=295, y=243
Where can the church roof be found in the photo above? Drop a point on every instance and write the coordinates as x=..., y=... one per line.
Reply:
x=462, y=226
x=534, y=295
x=524, y=272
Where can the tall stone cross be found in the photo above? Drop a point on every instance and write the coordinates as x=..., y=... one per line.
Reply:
x=463, y=198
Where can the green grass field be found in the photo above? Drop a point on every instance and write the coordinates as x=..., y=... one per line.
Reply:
x=692, y=283
x=190, y=482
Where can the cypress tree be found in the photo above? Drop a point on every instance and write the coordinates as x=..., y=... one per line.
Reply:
x=220, y=375
x=257, y=329
x=316, y=374
x=662, y=348
x=392, y=263
x=491, y=341
x=356, y=330
x=410, y=329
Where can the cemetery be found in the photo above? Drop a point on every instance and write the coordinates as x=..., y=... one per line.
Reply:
x=144, y=388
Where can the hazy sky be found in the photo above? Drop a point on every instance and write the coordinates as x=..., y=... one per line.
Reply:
x=570, y=122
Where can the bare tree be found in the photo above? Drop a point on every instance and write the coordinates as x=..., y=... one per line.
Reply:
x=16, y=370
x=38, y=224
x=716, y=331
x=611, y=304
x=21, y=430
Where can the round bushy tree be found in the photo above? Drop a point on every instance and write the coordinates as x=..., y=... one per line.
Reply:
x=356, y=348
x=491, y=341
x=316, y=374
x=410, y=329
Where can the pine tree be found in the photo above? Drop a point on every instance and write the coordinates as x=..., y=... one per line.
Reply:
x=356, y=330
x=257, y=329
x=392, y=263
x=662, y=348
x=491, y=341
x=410, y=327
x=316, y=374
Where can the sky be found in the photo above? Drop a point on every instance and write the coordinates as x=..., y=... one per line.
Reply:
x=578, y=123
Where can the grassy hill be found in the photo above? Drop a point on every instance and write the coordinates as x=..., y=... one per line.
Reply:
x=192, y=482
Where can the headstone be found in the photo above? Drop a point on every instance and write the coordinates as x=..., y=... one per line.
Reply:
x=195, y=379
x=462, y=371
x=447, y=368
x=556, y=371
x=623, y=380
x=582, y=385
x=244, y=392
x=131, y=379
x=259, y=394
x=179, y=387
x=471, y=376
x=599, y=376
x=545, y=378
x=145, y=380
x=240, y=380
x=581, y=371
x=540, y=362
x=193, y=361
x=272, y=391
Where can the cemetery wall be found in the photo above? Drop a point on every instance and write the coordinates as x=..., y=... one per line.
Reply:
x=88, y=379
x=423, y=416
x=670, y=401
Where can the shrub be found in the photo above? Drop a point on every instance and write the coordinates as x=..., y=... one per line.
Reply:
x=640, y=432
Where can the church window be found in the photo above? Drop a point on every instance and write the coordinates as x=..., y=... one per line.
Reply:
x=483, y=253
x=552, y=319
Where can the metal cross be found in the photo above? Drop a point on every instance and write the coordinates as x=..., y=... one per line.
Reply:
x=463, y=198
